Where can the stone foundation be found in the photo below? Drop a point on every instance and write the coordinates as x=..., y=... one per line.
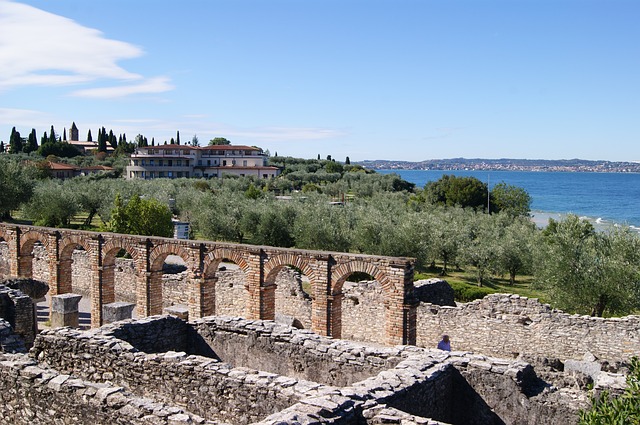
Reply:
x=238, y=371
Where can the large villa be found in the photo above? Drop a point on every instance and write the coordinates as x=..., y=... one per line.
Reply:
x=175, y=161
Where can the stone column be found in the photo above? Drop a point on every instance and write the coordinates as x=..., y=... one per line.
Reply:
x=64, y=310
x=268, y=302
x=13, y=242
x=114, y=312
x=97, y=281
x=142, y=282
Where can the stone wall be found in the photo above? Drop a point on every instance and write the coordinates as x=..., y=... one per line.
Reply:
x=230, y=293
x=201, y=385
x=510, y=325
x=291, y=299
x=33, y=394
x=9, y=341
x=17, y=309
x=4, y=259
x=296, y=353
x=363, y=312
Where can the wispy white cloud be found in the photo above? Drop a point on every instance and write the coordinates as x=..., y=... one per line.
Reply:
x=25, y=117
x=149, y=86
x=44, y=49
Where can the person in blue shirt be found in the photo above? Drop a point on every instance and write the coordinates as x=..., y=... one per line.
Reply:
x=445, y=344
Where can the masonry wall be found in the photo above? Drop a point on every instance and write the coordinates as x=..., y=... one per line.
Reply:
x=17, y=309
x=201, y=385
x=31, y=394
x=363, y=312
x=4, y=259
x=510, y=325
x=286, y=351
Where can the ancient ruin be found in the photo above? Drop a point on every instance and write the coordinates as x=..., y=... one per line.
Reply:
x=219, y=358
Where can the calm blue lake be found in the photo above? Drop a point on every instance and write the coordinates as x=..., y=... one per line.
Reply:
x=601, y=197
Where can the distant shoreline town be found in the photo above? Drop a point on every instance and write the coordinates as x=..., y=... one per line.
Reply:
x=475, y=164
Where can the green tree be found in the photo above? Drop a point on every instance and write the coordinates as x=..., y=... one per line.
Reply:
x=451, y=190
x=480, y=248
x=32, y=142
x=515, y=247
x=16, y=185
x=219, y=141
x=2, y=146
x=589, y=272
x=15, y=141
x=53, y=204
x=511, y=200
x=138, y=216
x=347, y=161
x=623, y=409
x=195, y=141
x=89, y=137
x=52, y=135
x=178, y=137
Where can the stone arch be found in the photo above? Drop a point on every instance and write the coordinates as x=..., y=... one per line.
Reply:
x=67, y=244
x=376, y=311
x=215, y=257
x=160, y=253
x=344, y=270
x=110, y=251
x=156, y=293
x=290, y=301
x=225, y=292
x=25, y=250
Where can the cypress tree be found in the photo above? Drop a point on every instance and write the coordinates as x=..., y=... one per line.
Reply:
x=64, y=134
x=52, y=135
x=178, y=137
x=112, y=139
x=89, y=138
x=32, y=142
x=44, y=139
x=1, y=146
x=153, y=141
x=347, y=161
x=15, y=141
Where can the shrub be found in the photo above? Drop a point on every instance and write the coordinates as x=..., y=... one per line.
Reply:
x=465, y=293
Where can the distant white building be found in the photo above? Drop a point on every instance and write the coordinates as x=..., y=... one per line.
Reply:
x=176, y=161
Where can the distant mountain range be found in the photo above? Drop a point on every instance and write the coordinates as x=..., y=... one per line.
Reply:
x=506, y=165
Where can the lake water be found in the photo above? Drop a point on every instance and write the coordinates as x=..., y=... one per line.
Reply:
x=604, y=198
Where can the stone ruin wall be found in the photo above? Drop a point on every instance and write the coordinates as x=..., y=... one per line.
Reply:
x=17, y=310
x=503, y=325
x=511, y=325
x=106, y=374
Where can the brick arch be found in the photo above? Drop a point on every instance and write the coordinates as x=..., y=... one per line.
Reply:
x=214, y=257
x=68, y=244
x=342, y=272
x=111, y=248
x=160, y=252
x=277, y=262
x=28, y=239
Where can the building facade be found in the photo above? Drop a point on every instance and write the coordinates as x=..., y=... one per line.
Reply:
x=176, y=161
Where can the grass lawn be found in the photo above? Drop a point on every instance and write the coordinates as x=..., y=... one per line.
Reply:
x=466, y=280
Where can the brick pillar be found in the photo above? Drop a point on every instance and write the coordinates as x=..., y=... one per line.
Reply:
x=202, y=301
x=97, y=280
x=25, y=265
x=64, y=276
x=154, y=294
x=142, y=282
x=268, y=302
x=254, y=281
x=13, y=235
x=335, y=307
x=321, y=307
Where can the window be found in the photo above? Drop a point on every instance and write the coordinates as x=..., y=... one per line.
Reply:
x=179, y=162
x=152, y=162
x=199, y=162
x=244, y=163
x=142, y=163
x=170, y=174
x=160, y=162
x=170, y=162
x=208, y=162
x=224, y=163
x=179, y=174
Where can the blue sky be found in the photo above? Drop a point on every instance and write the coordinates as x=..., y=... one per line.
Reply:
x=368, y=79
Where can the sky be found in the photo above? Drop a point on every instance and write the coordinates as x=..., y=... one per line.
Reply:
x=368, y=79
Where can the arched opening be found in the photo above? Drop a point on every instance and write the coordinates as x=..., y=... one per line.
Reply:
x=34, y=261
x=293, y=296
x=174, y=282
x=119, y=276
x=75, y=276
x=362, y=308
x=229, y=287
x=170, y=261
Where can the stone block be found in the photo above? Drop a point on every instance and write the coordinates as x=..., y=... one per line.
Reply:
x=114, y=312
x=178, y=311
x=65, y=303
x=64, y=310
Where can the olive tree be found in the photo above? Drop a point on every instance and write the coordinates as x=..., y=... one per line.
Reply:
x=589, y=272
